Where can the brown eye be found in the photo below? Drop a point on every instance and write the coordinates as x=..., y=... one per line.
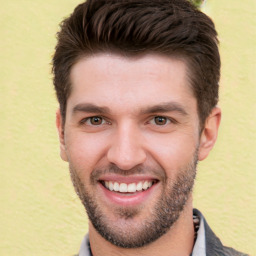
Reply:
x=160, y=120
x=96, y=120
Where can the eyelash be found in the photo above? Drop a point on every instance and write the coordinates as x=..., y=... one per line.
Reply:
x=83, y=121
x=167, y=119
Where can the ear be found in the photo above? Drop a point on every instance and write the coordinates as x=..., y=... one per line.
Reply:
x=209, y=133
x=60, y=128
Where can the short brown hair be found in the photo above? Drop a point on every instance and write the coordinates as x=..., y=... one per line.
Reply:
x=172, y=28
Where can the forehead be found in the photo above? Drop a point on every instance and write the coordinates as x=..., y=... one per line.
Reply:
x=132, y=82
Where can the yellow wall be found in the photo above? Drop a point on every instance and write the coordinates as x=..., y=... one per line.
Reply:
x=40, y=213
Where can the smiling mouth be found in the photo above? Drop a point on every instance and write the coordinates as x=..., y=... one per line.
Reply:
x=128, y=187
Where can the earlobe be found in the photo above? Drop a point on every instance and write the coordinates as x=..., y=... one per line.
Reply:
x=209, y=133
x=60, y=129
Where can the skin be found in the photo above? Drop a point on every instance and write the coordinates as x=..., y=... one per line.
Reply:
x=127, y=94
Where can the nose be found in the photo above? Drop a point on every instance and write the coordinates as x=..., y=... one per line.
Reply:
x=126, y=150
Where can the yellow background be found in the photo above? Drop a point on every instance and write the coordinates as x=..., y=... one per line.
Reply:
x=40, y=213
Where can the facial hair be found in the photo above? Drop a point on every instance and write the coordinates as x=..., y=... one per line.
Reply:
x=162, y=216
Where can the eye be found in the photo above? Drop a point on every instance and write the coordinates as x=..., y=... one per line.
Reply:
x=93, y=121
x=160, y=120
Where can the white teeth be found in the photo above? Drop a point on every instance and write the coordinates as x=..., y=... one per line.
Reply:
x=116, y=186
x=139, y=186
x=130, y=188
x=111, y=186
x=145, y=185
x=123, y=187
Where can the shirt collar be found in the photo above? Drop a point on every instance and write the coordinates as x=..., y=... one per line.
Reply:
x=85, y=249
x=200, y=246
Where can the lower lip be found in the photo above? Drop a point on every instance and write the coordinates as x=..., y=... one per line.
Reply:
x=126, y=199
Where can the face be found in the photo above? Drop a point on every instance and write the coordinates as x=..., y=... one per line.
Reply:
x=131, y=138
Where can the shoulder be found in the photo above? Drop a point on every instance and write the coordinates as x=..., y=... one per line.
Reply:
x=214, y=247
x=232, y=252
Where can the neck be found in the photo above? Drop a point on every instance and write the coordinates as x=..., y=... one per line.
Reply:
x=179, y=240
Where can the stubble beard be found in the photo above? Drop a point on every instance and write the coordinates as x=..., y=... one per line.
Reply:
x=162, y=217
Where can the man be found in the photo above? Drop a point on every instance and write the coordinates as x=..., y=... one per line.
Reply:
x=137, y=84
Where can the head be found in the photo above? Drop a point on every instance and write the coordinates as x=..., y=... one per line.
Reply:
x=137, y=84
x=134, y=28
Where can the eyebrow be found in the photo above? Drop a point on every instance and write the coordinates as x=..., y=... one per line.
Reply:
x=90, y=108
x=165, y=107
x=159, y=108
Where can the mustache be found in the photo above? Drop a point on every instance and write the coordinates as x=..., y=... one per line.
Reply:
x=158, y=172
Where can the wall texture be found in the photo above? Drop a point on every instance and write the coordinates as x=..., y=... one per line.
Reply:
x=40, y=213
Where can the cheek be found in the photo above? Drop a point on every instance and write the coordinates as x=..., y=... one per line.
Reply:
x=85, y=151
x=174, y=152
